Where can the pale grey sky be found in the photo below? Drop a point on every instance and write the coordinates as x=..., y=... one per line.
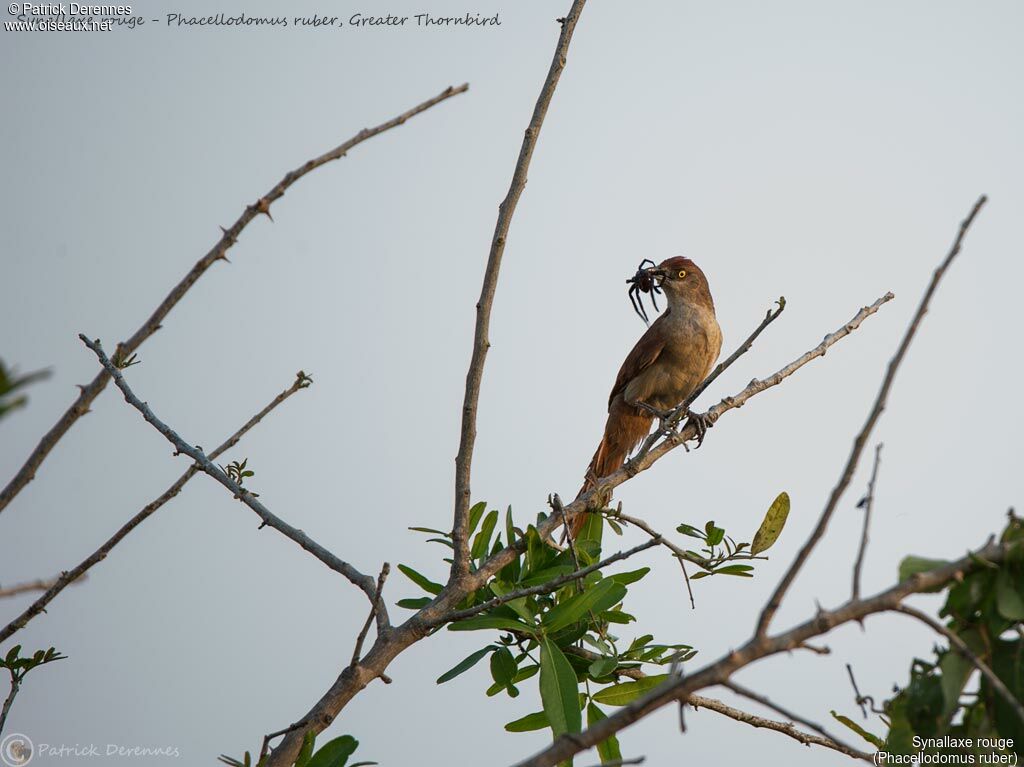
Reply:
x=821, y=150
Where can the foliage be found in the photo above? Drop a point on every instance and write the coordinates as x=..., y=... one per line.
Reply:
x=334, y=753
x=10, y=382
x=569, y=637
x=18, y=667
x=986, y=610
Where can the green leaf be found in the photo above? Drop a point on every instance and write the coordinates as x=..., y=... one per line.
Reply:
x=500, y=589
x=772, y=524
x=475, y=513
x=1009, y=599
x=627, y=692
x=421, y=580
x=617, y=616
x=602, y=596
x=480, y=622
x=912, y=565
x=874, y=740
x=741, y=570
x=608, y=750
x=503, y=667
x=308, y=741
x=430, y=530
x=547, y=574
x=482, y=542
x=603, y=667
x=529, y=723
x=714, y=535
x=559, y=691
x=631, y=577
x=464, y=665
x=334, y=753
x=414, y=604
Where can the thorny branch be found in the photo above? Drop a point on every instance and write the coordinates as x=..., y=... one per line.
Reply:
x=861, y=439
x=77, y=573
x=739, y=689
x=481, y=341
x=40, y=584
x=868, y=503
x=358, y=579
x=218, y=252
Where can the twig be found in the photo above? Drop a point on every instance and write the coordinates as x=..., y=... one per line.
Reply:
x=15, y=686
x=757, y=697
x=77, y=573
x=374, y=612
x=713, y=704
x=643, y=462
x=358, y=579
x=37, y=585
x=770, y=316
x=681, y=555
x=481, y=342
x=265, y=748
x=860, y=700
x=963, y=649
x=762, y=647
x=544, y=588
x=90, y=391
x=868, y=503
x=858, y=444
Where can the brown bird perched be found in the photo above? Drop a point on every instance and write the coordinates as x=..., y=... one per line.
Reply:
x=665, y=367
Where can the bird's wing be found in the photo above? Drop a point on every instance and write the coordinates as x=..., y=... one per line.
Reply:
x=643, y=355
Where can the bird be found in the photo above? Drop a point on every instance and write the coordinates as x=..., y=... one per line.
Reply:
x=665, y=367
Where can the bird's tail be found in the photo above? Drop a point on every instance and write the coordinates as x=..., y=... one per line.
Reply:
x=625, y=429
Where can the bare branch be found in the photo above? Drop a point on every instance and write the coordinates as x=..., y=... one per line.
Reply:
x=481, y=342
x=868, y=502
x=37, y=585
x=544, y=588
x=770, y=316
x=77, y=573
x=861, y=439
x=963, y=649
x=363, y=582
x=643, y=462
x=762, y=647
x=786, y=728
x=90, y=391
x=739, y=689
x=375, y=612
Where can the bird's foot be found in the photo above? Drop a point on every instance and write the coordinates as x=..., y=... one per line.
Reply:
x=701, y=423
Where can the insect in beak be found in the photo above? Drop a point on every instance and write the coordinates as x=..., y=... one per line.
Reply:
x=647, y=279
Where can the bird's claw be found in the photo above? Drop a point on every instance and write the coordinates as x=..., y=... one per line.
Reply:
x=701, y=423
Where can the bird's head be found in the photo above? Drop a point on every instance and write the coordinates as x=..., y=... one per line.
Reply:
x=682, y=281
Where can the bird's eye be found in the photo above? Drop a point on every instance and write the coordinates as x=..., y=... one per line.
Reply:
x=682, y=273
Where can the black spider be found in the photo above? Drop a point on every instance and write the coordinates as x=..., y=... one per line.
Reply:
x=646, y=280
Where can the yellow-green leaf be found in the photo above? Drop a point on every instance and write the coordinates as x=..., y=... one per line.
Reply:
x=771, y=526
